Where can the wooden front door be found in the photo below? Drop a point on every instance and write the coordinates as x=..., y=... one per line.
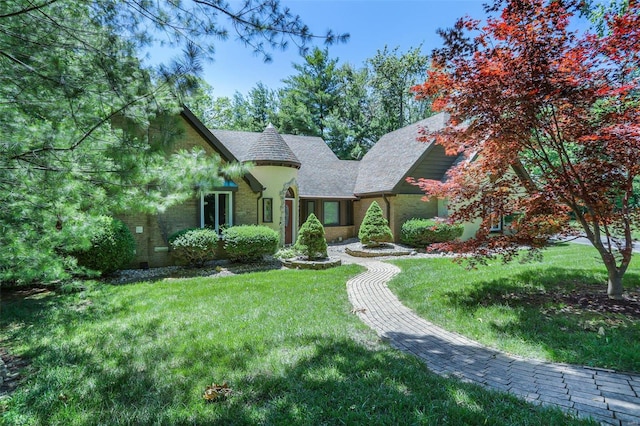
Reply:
x=288, y=221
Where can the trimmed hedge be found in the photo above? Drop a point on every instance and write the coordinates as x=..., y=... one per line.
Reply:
x=247, y=243
x=422, y=232
x=112, y=247
x=194, y=246
x=374, y=229
x=311, y=239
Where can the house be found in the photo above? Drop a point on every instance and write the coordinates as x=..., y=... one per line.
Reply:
x=293, y=176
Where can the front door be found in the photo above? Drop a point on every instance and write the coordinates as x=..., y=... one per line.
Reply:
x=288, y=221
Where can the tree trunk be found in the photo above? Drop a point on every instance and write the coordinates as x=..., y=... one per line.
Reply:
x=614, y=288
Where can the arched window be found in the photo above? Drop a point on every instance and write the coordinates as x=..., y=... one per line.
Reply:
x=290, y=193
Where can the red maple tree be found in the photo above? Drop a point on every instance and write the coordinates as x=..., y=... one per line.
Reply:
x=549, y=118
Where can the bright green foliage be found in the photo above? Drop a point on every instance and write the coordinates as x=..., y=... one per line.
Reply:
x=310, y=96
x=375, y=228
x=285, y=341
x=249, y=243
x=194, y=246
x=422, y=232
x=393, y=74
x=87, y=130
x=112, y=247
x=311, y=240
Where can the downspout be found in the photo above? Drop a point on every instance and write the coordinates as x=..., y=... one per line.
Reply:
x=386, y=201
x=258, y=206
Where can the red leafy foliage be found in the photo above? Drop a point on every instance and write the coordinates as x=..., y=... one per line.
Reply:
x=550, y=117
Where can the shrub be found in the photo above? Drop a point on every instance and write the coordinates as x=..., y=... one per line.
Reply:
x=112, y=247
x=422, y=232
x=311, y=240
x=286, y=253
x=249, y=243
x=194, y=246
x=374, y=228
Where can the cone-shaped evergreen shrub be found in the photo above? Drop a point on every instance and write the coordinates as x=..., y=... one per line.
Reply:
x=311, y=240
x=374, y=228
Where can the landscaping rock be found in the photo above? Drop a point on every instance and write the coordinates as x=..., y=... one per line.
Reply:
x=3, y=371
x=319, y=264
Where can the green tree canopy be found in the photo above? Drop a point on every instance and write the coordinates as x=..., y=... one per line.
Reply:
x=87, y=129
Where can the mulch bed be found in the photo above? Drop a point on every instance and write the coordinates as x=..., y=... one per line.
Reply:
x=581, y=299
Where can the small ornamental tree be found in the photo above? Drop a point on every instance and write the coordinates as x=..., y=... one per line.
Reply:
x=553, y=115
x=374, y=229
x=311, y=239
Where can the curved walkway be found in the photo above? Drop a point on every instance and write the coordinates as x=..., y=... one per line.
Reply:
x=606, y=396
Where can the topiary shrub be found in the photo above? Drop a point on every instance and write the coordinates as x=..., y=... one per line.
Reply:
x=311, y=240
x=374, y=229
x=194, y=246
x=422, y=232
x=112, y=247
x=248, y=243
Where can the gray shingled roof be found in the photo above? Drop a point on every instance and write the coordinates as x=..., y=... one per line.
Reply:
x=270, y=148
x=323, y=175
x=389, y=160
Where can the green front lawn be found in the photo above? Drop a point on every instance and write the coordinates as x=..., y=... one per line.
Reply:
x=285, y=341
x=543, y=309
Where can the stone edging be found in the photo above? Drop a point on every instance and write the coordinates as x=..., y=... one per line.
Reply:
x=372, y=253
x=312, y=264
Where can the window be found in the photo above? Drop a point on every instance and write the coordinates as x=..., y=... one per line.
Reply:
x=495, y=223
x=311, y=208
x=495, y=219
x=331, y=213
x=216, y=210
x=267, y=210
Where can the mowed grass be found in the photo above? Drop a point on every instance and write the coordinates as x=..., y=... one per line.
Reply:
x=523, y=308
x=284, y=341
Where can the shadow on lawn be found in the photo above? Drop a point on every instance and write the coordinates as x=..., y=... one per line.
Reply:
x=134, y=373
x=566, y=311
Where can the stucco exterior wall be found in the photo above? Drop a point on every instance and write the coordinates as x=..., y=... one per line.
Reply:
x=276, y=180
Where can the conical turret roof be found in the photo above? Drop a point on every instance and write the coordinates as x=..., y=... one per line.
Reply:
x=271, y=149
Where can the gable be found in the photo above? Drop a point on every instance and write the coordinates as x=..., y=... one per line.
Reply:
x=397, y=154
x=197, y=134
x=434, y=165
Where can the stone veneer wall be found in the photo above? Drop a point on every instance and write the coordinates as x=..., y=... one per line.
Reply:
x=406, y=206
x=402, y=208
x=151, y=243
x=336, y=233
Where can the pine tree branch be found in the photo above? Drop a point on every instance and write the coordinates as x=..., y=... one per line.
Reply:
x=28, y=9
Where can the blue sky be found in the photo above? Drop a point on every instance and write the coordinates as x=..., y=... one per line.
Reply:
x=372, y=24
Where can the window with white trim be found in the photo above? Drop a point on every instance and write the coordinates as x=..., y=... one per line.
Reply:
x=216, y=210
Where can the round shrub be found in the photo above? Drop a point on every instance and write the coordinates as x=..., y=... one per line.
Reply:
x=247, y=243
x=112, y=247
x=311, y=240
x=374, y=229
x=194, y=246
x=422, y=232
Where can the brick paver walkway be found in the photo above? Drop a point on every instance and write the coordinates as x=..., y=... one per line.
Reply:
x=606, y=396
